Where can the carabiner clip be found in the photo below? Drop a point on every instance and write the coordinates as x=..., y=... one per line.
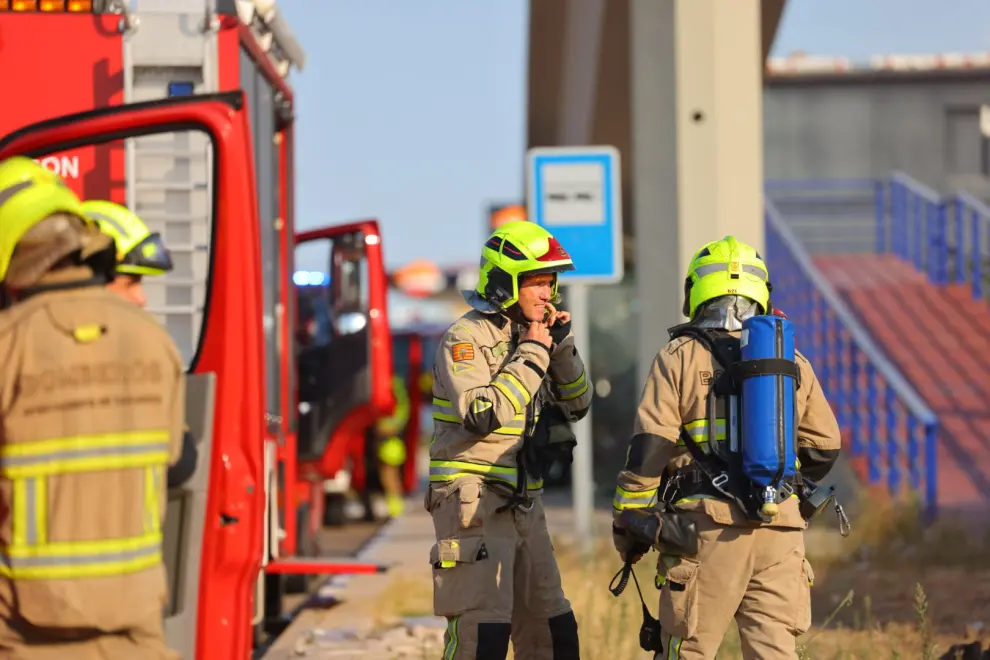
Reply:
x=844, y=526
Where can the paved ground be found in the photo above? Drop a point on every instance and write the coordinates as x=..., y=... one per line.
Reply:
x=352, y=628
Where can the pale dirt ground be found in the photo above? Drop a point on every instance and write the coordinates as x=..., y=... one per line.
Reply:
x=866, y=602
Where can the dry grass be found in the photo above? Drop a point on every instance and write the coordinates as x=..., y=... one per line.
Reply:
x=897, y=590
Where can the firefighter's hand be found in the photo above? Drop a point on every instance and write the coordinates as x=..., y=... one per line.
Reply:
x=559, y=324
x=625, y=545
x=553, y=316
x=539, y=333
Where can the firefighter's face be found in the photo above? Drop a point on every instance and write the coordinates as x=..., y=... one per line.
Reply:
x=129, y=287
x=535, y=291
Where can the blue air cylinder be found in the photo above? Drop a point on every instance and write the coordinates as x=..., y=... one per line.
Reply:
x=767, y=404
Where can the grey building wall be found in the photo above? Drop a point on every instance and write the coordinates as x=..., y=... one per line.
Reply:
x=867, y=125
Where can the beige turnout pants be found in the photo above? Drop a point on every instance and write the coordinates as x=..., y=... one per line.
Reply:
x=759, y=576
x=20, y=641
x=495, y=577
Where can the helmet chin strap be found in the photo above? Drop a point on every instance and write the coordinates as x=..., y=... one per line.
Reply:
x=726, y=312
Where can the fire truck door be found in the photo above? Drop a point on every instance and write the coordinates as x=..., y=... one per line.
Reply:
x=171, y=160
x=185, y=520
x=341, y=324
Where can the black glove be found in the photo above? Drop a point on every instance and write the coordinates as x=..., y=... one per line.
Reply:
x=678, y=535
x=552, y=440
x=672, y=532
x=626, y=541
x=559, y=331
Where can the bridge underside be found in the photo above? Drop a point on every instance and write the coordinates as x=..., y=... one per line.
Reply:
x=677, y=87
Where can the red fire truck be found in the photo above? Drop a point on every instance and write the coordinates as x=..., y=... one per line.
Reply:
x=180, y=109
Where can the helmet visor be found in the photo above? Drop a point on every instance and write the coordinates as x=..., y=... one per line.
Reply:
x=149, y=257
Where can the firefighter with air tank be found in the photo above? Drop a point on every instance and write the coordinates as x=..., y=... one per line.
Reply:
x=498, y=370
x=731, y=434
x=93, y=403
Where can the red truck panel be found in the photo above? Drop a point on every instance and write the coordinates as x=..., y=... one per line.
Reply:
x=53, y=84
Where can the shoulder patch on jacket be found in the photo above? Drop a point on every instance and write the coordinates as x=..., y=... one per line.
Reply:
x=462, y=352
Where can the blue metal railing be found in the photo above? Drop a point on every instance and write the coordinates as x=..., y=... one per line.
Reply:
x=945, y=237
x=884, y=416
x=911, y=220
x=963, y=257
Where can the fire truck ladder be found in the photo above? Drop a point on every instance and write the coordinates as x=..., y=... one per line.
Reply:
x=169, y=179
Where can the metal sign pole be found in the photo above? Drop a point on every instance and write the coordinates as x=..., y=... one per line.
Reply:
x=582, y=476
x=576, y=194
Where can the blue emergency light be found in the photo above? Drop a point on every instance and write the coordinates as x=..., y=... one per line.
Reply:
x=310, y=278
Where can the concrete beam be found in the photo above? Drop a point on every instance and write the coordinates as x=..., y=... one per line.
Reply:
x=677, y=87
x=697, y=129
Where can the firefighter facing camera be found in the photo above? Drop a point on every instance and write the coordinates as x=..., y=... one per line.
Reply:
x=731, y=432
x=94, y=396
x=507, y=376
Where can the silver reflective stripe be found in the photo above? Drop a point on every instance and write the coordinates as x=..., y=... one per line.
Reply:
x=10, y=191
x=520, y=396
x=110, y=221
x=514, y=424
x=65, y=456
x=708, y=269
x=79, y=559
x=31, y=496
x=571, y=389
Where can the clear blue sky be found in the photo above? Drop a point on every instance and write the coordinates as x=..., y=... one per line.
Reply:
x=414, y=111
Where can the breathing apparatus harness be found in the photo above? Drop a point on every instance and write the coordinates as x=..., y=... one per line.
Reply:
x=722, y=473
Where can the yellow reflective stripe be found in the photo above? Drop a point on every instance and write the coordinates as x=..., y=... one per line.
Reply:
x=514, y=427
x=674, y=646
x=39, y=498
x=445, y=411
x=28, y=465
x=19, y=526
x=152, y=494
x=510, y=386
x=698, y=430
x=450, y=470
x=632, y=499
x=441, y=471
x=100, y=547
x=86, y=453
x=30, y=511
x=450, y=648
x=79, y=559
x=573, y=389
